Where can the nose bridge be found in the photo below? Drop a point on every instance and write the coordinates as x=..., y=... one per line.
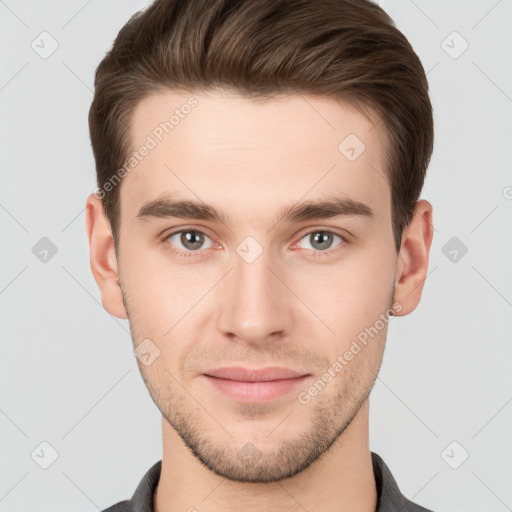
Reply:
x=253, y=302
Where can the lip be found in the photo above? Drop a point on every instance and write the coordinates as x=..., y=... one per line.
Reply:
x=254, y=375
x=255, y=385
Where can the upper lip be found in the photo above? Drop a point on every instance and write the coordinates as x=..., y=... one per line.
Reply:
x=254, y=375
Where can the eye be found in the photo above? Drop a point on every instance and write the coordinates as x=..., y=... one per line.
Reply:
x=189, y=240
x=321, y=241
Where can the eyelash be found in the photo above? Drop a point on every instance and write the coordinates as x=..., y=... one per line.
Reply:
x=187, y=254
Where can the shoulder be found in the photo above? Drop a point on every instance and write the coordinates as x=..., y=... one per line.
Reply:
x=122, y=506
x=390, y=498
x=414, y=507
x=142, y=499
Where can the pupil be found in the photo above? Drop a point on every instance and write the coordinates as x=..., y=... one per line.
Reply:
x=192, y=239
x=322, y=240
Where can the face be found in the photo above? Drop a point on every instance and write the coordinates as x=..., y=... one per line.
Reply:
x=286, y=259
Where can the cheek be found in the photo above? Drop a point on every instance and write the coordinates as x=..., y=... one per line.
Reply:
x=347, y=296
x=164, y=300
x=351, y=296
x=155, y=284
x=148, y=296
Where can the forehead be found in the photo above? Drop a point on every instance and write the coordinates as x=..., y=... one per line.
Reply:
x=239, y=153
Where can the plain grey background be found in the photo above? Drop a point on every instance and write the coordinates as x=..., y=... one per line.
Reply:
x=441, y=410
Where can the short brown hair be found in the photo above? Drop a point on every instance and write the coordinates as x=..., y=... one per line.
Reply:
x=349, y=50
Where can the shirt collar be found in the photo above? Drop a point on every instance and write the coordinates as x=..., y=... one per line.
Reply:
x=389, y=496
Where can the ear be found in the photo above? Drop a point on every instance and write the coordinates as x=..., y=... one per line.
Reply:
x=412, y=263
x=103, y=258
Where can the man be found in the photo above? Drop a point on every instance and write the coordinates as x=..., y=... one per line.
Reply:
x=257, y=221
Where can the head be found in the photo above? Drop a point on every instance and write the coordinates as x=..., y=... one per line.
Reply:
x=259, y=166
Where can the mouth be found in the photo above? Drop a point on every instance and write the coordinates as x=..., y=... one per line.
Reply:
x=255, y=385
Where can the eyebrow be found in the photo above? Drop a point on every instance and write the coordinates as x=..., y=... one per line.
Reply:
x=308, y=210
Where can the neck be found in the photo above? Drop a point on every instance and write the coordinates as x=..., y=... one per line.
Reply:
x=340, y=479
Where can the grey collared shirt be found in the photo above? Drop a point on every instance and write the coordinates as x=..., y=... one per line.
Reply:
x=390, y=499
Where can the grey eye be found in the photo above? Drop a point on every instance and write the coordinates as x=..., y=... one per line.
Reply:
x=190, y=239
x=320, y=240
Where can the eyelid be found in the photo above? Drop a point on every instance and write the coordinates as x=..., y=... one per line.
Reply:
x=182, y=252
x=310, y=230
x=344, y=240
x=173, y=231
x=345, y=235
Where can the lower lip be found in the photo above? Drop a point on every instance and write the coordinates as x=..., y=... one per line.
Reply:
x=255, y=391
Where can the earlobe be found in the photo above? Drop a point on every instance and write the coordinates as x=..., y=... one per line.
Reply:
x=412, y=263
x=103, y=259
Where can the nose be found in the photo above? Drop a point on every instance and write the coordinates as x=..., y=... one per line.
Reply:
x=254, y=305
